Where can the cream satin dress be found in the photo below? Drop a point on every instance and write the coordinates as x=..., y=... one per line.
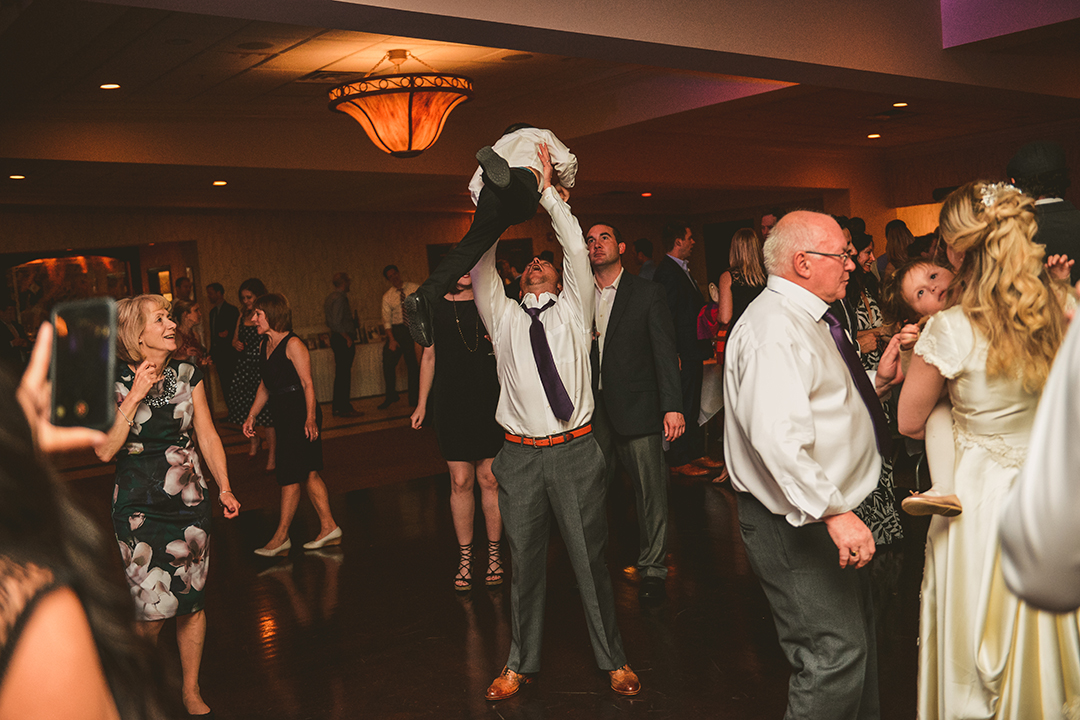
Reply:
x=983, y=653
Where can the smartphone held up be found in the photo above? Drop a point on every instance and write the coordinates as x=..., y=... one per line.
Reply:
x=83, y=367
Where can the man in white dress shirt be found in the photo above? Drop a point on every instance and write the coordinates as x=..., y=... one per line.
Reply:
x=398, y=341
x=801, y=451
x=550, y=467
x=506, y=191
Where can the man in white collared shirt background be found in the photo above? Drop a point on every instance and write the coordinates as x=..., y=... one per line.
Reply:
x=801, y=452
x=550, y=467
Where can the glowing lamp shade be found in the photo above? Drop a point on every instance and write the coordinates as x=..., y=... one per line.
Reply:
x=402, y=114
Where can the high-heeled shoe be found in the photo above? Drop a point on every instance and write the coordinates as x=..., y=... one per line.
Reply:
x=463, y=578
x=495, y=568
x=272, y=552
x=331, y=538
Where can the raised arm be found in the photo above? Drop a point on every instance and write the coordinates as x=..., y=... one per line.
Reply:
x=577, y=275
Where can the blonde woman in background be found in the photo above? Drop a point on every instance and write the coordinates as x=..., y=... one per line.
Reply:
x=983, y=653
x=744, y=281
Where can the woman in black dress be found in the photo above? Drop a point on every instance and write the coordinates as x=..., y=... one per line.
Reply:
x=466, y=394
x=286, y=386
x=161, y=508
x=246, y=375
x=745, y=280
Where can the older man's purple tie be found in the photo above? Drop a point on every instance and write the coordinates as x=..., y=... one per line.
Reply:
x=545, y=363
x=862, y=383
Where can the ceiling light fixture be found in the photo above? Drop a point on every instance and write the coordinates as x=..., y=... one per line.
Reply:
x=646, y=194
x=899, y=104
x=873, y=136
x=109, y=86
x=16, y=177
x=220, y=183
x=403, y=113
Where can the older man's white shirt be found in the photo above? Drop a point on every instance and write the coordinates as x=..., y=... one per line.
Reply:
x=797, y=434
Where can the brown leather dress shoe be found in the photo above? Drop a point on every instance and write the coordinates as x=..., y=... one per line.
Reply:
x=508, y=683
x=690, y=470
x=625, y=681
x=707, y=462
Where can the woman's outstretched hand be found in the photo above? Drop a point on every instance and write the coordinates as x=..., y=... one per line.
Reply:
x=35, y=393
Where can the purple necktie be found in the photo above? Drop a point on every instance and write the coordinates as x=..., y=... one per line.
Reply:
x=545, y=363
x=862, y=383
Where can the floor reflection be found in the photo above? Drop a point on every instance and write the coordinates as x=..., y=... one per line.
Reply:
x=374, y=629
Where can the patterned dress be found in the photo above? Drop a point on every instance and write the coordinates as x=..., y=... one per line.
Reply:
x=161, y=512
x=246, y=377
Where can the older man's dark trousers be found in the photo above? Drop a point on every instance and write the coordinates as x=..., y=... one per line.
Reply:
x=564, y=483
x=824, y=615
x=495, y=214
x=343, y=361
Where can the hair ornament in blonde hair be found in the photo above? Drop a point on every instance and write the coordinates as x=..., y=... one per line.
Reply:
x=991, y=192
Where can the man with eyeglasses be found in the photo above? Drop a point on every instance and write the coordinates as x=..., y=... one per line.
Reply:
x=804, y=434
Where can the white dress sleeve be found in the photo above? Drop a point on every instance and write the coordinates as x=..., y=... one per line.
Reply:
x=941, y=342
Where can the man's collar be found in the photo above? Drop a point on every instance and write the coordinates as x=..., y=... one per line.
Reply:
x=614, y=283
x=530, y=300
x=814, y=306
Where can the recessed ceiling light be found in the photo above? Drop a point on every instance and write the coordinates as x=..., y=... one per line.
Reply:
x=899, y=104
x=150, y=244
x=873, y=136
x=219, y=183
x=17, y=177
x=646, y=194
x=109, y=86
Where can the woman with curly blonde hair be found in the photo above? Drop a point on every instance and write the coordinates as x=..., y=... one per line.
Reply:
x=983, y=652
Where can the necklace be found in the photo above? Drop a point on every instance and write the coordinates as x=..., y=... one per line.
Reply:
x=457, y=321
x=168, y=389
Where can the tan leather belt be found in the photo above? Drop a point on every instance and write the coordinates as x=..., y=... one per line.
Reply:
x=550, y=440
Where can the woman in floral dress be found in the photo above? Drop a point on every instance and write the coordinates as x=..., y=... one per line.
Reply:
x=161, y=512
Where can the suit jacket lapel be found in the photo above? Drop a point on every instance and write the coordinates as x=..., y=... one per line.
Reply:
x=622, y=299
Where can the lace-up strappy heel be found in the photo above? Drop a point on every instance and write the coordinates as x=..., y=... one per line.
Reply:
x=495, y=567
x=463, y=579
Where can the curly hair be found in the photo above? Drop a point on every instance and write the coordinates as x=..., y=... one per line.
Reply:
x=1004, y=290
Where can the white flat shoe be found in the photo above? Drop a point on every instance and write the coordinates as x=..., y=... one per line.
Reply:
x=331, y=538
x=272, y=552
x=920, y=504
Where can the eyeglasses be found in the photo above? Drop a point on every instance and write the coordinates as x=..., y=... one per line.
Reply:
x=842, y=257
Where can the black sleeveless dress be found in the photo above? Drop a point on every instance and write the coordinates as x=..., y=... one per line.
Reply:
x=297, y=456
x=466, y=390
x=742, y=294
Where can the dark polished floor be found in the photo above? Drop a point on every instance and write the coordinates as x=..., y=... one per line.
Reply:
x=373, y=629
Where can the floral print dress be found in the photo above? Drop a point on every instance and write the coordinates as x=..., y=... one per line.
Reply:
x=161, y=512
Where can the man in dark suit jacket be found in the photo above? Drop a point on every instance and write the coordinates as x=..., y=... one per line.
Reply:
x=1039, y=170
x=223, y=317
x=687, y=454
x=638, y=393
